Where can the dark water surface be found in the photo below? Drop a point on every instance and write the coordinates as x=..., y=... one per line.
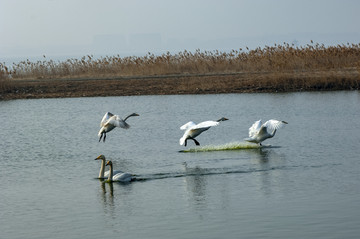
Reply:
x=307, y=185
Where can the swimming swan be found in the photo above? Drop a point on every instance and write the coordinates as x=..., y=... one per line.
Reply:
x=102, y=174
x=110, y=121
x=119, y=177
x=192, y=130
x=259, y=132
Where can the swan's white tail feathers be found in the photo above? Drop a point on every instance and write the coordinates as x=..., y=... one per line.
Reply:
x=101, y=131
x=251, y=140
x=182, y=141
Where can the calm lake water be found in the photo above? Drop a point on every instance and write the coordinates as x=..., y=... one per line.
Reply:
x=306, y=186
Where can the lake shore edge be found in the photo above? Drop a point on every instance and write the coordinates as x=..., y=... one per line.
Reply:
x=212, y=83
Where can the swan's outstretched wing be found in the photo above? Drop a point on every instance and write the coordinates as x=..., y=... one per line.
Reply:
x=187, y=125
x=106, y=117
x=206, y=124
x=254, y=129
x=199, y=128
x=274, y=124
x=118, y=122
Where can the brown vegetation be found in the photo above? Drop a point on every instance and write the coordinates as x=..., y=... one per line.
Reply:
x=278, y=68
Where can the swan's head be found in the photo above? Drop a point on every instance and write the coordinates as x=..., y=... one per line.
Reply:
x=109, y=163
x=100, y=157
x=222, y=119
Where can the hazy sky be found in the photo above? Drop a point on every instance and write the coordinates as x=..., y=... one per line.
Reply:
x=80, y=27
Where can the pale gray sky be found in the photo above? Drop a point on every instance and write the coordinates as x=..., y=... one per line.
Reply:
x=110, y=27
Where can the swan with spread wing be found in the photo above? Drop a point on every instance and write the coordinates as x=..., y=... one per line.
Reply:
x=193, y=130
x=258, y=132
x=110, y=121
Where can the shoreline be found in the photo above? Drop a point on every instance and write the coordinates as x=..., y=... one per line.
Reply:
x=214, y=83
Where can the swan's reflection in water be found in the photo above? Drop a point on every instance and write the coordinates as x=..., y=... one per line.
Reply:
x=115, y=198
x=201, y=190
x=110, y=188
x=266, y=166
x=196, y=182
x=271, y=167
x=107, y=198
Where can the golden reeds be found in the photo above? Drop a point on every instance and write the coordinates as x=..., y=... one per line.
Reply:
x=282, y=68
x=278, y=58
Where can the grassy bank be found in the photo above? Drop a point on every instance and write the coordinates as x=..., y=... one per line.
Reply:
x=278, y=68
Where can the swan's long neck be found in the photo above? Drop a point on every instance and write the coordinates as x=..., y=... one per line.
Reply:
x=128, y=117
x=110, y=173
x=102, y=169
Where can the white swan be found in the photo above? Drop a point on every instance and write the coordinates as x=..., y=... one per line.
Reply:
x=102, y=173
x=119, y=177
x=259, y=132
x=110, y=121
x=192, y=130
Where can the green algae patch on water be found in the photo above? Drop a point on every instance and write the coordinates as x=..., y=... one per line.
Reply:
x=223, y=147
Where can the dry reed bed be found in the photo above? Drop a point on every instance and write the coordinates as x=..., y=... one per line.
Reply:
x=285, y=66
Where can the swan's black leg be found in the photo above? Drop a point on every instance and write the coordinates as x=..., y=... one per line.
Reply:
x=101, y=137
x=185, y=142
x=104, y=137
x=196, y=142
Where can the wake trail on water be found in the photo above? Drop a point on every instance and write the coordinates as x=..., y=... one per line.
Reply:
x=227, y=146
x=209, y=171
x=193, y=172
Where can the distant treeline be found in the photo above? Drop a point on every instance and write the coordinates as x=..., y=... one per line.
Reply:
x=278, y=58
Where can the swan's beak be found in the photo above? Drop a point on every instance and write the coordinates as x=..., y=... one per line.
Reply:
x=284, y=122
